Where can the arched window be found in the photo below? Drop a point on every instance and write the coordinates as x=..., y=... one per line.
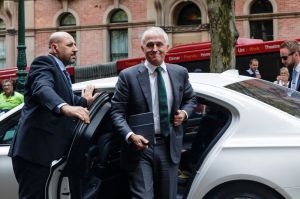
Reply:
x=67, y=19
x=2, y=25
x=261, y=29
x=119, y=16
x=2, y=46
x=189, y=14
x=118, y=37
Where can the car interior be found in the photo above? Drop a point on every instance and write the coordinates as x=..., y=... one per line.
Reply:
x=93, y=159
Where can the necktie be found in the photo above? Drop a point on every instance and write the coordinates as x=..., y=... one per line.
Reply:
x=68, y=78
x=294, y=76
x=163, y=104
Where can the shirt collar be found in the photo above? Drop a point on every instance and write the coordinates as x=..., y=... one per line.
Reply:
x=152, y=68
x=59, y=62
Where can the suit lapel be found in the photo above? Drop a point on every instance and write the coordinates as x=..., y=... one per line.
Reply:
x=63, y=77
x=143, y=79
x=176, y=88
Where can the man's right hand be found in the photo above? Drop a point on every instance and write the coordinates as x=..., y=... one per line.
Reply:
x=76, y=111
x=138, y=141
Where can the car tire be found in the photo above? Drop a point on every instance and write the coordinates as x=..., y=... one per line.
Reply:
x=243, y=190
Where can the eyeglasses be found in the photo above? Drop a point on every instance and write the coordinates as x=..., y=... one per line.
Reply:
x=286, y=57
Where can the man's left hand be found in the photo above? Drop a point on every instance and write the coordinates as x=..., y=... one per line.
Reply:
x=87, y=93
x=179, y=117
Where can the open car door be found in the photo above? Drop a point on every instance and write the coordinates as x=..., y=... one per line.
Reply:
x=92, y=163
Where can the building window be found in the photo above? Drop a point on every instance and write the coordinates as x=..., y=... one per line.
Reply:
x=2, y=46
x=189, y=14
x=67, y=19
x=2, y=25
x=119, y=37
x=2, y=52
x=261, y=29
x=119, y=16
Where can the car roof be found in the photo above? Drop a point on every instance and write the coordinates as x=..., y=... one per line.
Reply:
x=217, y=79
x=98, y=83
x=213, y=79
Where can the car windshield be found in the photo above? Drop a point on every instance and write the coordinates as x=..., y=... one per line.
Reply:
x=278, y=96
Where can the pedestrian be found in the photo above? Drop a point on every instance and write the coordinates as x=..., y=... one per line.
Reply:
x=9, y=98
x=283, y=77
x=45, y=128
x=290, y=58
x=165, y=90
x=253, y=71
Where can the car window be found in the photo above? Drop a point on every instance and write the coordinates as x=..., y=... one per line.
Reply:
x=8, y=128
x=277, y=96
x=6, y=138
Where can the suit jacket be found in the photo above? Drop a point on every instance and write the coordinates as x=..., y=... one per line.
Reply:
x=133, y=96
x=43, y=135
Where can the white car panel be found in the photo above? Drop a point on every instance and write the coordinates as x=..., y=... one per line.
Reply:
x=261, y=143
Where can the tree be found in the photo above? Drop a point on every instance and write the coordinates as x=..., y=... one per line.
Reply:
x=223, y=34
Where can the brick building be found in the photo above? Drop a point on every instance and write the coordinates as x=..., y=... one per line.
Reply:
x=106, y=30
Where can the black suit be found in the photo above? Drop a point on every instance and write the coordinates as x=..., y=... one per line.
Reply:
x=133, y=96
x=43, y=134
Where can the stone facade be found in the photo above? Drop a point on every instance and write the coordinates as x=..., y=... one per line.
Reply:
x=93, y=24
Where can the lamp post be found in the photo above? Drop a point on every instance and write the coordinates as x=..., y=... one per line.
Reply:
x=21, y=60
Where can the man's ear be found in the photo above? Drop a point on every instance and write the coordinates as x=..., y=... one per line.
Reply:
x=54, y=47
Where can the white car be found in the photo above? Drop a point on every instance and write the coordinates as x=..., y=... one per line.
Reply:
x=243, y=141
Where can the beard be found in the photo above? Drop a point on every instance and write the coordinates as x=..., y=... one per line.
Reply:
x=71, y=61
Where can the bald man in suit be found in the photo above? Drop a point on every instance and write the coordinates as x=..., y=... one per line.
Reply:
x=45, y=129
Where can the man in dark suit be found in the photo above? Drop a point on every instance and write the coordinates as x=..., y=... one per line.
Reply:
x=152, y=167
x=48, y=117
x=253, y=71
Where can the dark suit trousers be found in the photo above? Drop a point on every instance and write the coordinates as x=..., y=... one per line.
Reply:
x=31, y=178
x=154, y=176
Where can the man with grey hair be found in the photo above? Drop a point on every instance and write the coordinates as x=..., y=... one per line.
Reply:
x=290, y=57
x=164, y=91
x=45, y=128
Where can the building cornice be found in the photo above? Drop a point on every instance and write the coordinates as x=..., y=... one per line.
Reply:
x=264, y=16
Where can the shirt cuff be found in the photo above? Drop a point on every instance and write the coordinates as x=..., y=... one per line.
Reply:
x=187, y=117
x=127, y=137
x=57, y=108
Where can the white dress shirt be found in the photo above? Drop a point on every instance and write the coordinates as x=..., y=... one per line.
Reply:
x=154, y=91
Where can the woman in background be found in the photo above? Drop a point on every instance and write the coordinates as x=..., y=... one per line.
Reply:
x=283, y=77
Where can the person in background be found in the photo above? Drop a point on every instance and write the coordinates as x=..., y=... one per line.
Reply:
x=253, y=71
x=283, y=77
x=290, y=58
x=9, y=98
x=48, y=118
x=152, y=167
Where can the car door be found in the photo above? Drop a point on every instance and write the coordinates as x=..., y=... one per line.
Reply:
x=8, y=183
x=92, y=163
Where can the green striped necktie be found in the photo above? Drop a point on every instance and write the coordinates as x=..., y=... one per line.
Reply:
x=163, y=104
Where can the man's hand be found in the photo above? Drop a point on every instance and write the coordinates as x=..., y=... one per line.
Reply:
x=179, y=117
x=76, y=111
x=138, y=141
x=87, y=93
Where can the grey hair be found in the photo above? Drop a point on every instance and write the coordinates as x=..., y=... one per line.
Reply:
x=154, y=31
